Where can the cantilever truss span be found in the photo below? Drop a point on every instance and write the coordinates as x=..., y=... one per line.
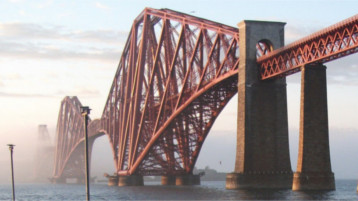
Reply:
x=69, y=152
x=175, y=75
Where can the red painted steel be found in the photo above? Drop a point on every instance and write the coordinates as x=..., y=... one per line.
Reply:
x=326, y=45
x=175, y=75
x=69, y=152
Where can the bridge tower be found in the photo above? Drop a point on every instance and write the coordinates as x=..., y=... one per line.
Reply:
x=262, y=157
x=44, y=156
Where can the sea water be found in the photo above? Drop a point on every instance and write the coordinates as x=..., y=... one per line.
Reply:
x=208, y=190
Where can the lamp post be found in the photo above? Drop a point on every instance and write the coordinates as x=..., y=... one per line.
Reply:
x=11, y=148
x=85, y=111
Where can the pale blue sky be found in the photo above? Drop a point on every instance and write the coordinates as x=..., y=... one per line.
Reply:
x=50, y=49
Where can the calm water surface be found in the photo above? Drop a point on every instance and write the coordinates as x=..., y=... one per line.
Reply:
x=214, y=190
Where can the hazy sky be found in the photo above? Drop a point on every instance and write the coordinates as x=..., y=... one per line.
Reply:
x=50, y=49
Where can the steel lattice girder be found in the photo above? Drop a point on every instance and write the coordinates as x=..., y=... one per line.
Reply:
x=168, y=90
x=326, y=45
x=69, y=131
x=176, y=74
x=69, y=156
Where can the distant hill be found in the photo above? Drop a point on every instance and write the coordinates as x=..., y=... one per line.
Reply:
x=210, y=174
x=207, y=174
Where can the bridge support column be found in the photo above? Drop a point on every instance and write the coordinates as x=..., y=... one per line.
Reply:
x=112, y=180
x=130, y=180
x=168, y=180
x=188, y=179
x=262, y=156
x=314, y=163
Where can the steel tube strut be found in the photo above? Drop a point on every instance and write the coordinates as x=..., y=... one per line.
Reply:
x=172, y=64
x=175, y=75
x=69, y=155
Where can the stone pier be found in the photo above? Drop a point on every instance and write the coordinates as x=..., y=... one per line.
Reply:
x=262, y=156
x=168, y=180
x=112, y=179
x=314, y=163
x=188, y=179
x=130, y=180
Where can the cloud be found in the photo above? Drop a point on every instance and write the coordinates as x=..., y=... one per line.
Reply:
x=22, y=95
x=11, y=76
x=343, y=71
x=45, y=4
x=101, y=36
x=22, y=13
x=296, y=32
x=45, y=51
x=27, y=40
x=83, y=91
x=26, y=31
x=102, y=6
x=15, y=1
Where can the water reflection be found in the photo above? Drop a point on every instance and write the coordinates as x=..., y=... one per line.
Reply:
x=264, y=194
x=314, y=195
x=346, y=190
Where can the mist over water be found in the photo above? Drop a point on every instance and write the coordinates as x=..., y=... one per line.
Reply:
x=218, y=150
x=23, y=157
x=33, y=157
x=218, y=153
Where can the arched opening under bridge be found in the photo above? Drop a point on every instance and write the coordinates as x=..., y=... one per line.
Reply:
x=219, y=149
x=102, y=159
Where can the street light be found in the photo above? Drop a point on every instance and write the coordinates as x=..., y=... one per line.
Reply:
x=11, y=147
x=85, y=111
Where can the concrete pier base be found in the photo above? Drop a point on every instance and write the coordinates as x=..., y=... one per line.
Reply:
x=183, y=180
x=313, y=181
x=130, y=180
x=112, y=180
x=314, y=163
x=168, y=180
x=259, y=180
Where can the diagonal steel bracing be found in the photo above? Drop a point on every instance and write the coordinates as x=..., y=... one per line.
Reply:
x=69, y=152
x=331, y=43
x=175, y=75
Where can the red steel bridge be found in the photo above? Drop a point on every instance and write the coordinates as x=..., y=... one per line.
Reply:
x=176, y=74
